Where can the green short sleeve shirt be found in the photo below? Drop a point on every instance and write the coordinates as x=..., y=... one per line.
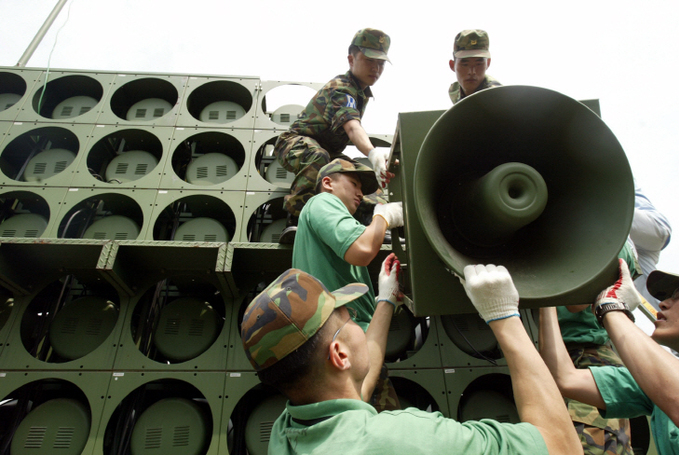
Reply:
x=325, y=231
x=625, y=399
x=353, y=427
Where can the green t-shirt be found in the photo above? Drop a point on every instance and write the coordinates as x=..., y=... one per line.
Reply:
x=353, y=427
x=325, y=231
x=625, y=399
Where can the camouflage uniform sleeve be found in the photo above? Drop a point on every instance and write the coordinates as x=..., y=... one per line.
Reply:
x=344, y=107
x=454, y=92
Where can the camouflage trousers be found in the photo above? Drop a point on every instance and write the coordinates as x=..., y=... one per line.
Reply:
x=305, y=157
x=384, y=396
x=599, y=436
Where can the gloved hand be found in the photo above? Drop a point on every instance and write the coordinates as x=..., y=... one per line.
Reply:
x=378, y=158
x=391, y=212
x=622, y=291
x=492, y=291
x=388, y=281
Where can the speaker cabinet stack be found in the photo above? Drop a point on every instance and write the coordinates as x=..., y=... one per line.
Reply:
x=140, y=214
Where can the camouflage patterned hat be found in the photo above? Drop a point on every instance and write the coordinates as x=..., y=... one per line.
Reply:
x=471, y=43
x=366, y=175
x=662, y=285
x=289, y=312
x=373, y=43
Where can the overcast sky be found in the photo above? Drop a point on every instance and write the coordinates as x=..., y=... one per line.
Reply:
x=621, y=52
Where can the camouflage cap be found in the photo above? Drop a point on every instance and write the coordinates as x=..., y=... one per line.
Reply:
x=471, y=43
x=289, y=312
x=662, y=285
x=373, y=43
x=366, y=175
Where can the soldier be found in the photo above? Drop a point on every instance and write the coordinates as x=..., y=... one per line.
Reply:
x=301, y=339
x=327, y=124
x=588, y=345
x=649, y=384
x=335, y=248
x=471, y=59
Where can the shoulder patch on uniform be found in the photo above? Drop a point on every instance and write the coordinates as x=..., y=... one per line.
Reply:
x=351, y=102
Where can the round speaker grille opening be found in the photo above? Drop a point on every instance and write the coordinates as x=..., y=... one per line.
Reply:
x=82, y=326
x=148, y=109
x=222, y=112
x=130, y=166
x=488, y=404
x=211, y=169
x=278, y=175
x=187, y=327
x=171, y=426
x=202, y=229
x=61, y=425
x=272, y=232
x=73, y=107
x=260, y=421
x=47, y=164
x=286, y=114
x=114, y=227
x=28, y=225
x=8, y=100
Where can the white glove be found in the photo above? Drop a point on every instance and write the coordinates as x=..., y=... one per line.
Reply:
x=391, y=212
x=492, y=291
x=378, y=158
x=388, y=281
x=622, y=291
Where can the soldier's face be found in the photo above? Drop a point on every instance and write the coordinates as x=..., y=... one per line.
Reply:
x=470, y=72
x=347, y=187
x=667, y=325
x=366, y=70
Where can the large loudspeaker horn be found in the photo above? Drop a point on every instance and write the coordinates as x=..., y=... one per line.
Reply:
x=531, y=179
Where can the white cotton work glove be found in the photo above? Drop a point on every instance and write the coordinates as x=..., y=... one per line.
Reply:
x=622, y=291
x=492, y=291
x=378, y=158
x=391, y=212
x=388, y=281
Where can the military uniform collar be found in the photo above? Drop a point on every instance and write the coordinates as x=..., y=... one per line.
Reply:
x=366, y=91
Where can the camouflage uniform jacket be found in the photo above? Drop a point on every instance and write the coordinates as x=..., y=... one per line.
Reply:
x=455, y=92
x=339, y=101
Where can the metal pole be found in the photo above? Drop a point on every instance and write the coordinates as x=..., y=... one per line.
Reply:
x=41, y=34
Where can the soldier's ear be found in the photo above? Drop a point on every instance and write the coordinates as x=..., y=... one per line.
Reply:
x=326, y=184
x=488, y=62
x=452, y=65
x=350, y=58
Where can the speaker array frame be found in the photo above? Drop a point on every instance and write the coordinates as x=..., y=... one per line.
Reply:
x=222, y=373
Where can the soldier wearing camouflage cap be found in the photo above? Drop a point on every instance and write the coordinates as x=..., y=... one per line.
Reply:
x=281, y=327
x=331, y=244
x=471, y=59
x=301, y=339
x=329, y=122
x=288, y=313
x=335, y=248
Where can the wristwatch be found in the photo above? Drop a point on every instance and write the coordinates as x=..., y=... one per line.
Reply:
x=601, y=310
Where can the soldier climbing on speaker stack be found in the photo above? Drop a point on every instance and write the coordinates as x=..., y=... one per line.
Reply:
x=327, y=124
